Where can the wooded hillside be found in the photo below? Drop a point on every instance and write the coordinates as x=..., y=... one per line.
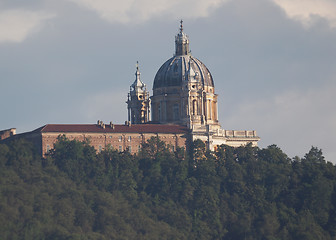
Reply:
x=233, y=193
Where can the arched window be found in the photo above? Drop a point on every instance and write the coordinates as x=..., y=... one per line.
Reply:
x=194, y=110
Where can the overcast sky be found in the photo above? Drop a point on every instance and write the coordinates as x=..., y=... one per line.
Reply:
x=273, y=62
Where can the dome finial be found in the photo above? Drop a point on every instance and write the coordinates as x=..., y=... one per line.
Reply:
x=181, y=26
x=181, y=42
x=137, y=72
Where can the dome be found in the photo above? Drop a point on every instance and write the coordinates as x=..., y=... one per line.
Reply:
x=183, y=89
x=182, y=68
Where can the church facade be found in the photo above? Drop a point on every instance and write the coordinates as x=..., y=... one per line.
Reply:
x=183, y=108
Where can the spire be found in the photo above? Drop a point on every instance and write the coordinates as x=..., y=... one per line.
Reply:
x=138, y=84
x=181, y=26
x=137, y=73
x=181, y=42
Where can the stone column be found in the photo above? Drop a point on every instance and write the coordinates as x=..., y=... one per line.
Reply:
x=210, y=110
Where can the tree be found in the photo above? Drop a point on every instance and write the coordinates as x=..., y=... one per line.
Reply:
x=77, y=159
x=233, y=193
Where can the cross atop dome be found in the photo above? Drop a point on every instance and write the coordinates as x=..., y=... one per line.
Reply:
x=181, y=26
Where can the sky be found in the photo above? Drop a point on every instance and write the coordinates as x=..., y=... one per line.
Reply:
x=273, y=62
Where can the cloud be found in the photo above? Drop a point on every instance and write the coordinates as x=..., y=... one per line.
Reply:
x=294, y=120
x=17, y=25
x=306, y=11
x=136, y=11
x=106, y=106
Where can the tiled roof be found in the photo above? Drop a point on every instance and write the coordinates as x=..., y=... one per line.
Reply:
x=118, y=128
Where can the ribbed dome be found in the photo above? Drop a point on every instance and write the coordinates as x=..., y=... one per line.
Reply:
x=183, y=89
x=182, y=68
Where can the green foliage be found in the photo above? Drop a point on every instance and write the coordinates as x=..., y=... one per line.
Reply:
x=232, y=193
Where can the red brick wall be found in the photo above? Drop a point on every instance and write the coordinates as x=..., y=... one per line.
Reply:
x=117, y=141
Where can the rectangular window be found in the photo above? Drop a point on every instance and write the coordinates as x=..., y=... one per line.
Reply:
x=120, y=138
x=120, y=148
x=139, y=148
x=129, y=138
x=48, y=148
x=130, y=149
x=100, y=148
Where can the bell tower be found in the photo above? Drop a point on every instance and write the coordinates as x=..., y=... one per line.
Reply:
x=138, y=101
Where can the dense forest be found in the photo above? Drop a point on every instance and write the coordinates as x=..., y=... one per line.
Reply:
x=231, y=194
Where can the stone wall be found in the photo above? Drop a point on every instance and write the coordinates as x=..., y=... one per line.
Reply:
x=7, y=133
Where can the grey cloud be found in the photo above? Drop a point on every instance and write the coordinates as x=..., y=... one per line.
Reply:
x=253, y=50
x=19, y=4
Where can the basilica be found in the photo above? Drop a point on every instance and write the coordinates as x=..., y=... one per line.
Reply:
x=183, y=108
x=184, y=94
